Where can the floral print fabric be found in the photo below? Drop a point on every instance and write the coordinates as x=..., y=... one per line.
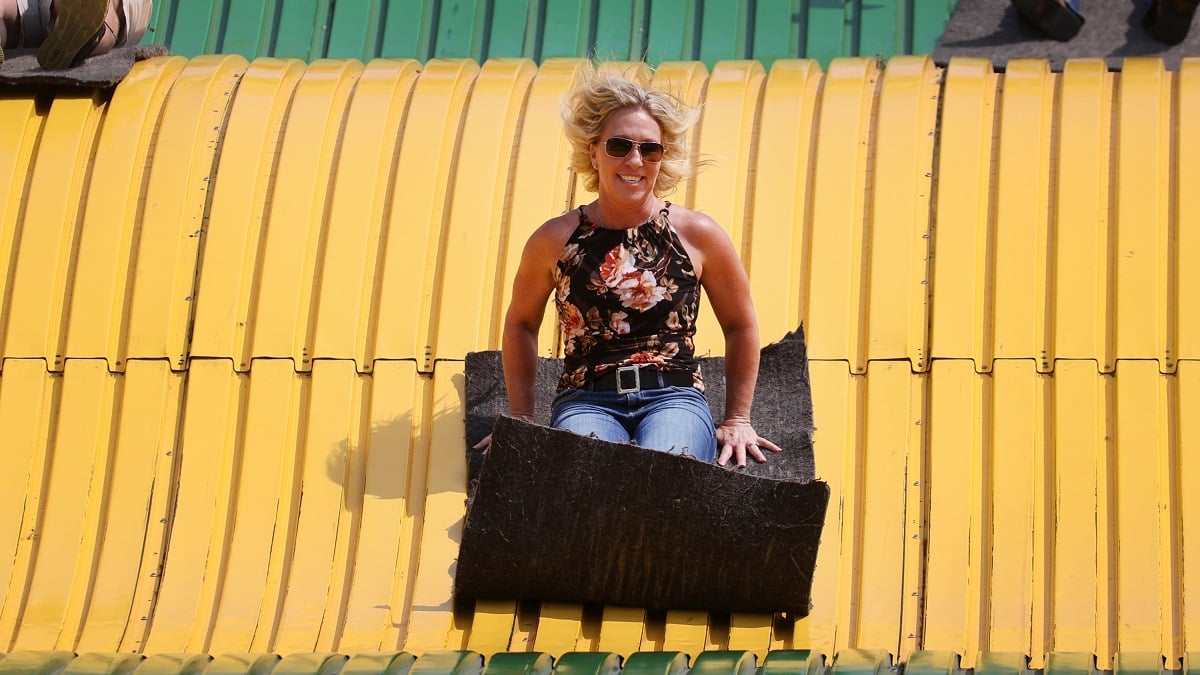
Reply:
x=625, y=297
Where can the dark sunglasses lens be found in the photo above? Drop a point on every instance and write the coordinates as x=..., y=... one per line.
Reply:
x=618, y=147
x=651, y=152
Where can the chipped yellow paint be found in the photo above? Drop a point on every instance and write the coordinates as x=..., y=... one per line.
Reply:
x=899, y=232
x=227, y=292
x=836, y=312
x=294, y=243
x=1021, y=225
x=177, y=192
x=542, y=180
x=37, y=287
x=776, y=254
x=964, y=255
x=113, y=208
x=477, y=218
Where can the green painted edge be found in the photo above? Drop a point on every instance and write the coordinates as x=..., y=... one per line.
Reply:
x=1001, y=663
x=881, y=27
x=670, y=35
x=104, y=664
x=36, y=662
x=588, y=663
x=725, y=662
x=655, y=663
x=519, y=663
x=448, y=663
x=379, y=663
x=508, y=32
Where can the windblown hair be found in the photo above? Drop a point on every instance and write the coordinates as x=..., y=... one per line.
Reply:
x=597, y=95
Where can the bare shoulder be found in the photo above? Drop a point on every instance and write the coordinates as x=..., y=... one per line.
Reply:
x=696, y=228
x=550, y=237
x=702, y=237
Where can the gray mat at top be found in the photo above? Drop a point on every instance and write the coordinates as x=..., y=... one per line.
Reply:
x=20, y=67
x=781, y=412
x=565, y=518
x=1113, y=30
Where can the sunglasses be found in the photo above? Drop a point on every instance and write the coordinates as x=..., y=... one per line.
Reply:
x=616, y=146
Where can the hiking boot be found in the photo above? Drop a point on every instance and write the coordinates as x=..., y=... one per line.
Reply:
x=76, y=33
x=1168, y=21
x=1060, y=19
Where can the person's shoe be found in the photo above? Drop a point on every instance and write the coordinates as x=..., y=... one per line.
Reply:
x=76, y=32
x=1169, y=20
x=1060, y=19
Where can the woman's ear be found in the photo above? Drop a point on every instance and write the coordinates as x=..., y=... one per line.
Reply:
x=592, y=154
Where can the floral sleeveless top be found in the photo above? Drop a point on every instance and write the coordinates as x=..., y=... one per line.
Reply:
x=626, y=297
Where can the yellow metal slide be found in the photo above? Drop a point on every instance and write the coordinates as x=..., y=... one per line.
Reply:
x=235, y=301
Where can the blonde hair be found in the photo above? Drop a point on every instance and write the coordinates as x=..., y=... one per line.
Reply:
x=597, y=95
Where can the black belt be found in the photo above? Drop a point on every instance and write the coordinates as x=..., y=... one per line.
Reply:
x=630, y=379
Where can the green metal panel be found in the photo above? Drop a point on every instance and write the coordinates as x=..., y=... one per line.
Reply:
x=614, y=30
x=656, y=663
x=776, y=31
x=242, y=664
x=460, y=29
x=300, y=33
x=408, y=29
x=35, y=663
x=310, y=664
x=725, y=663
x=929, y=18
x=380, y=663
x=588, y=663
x=448, y=663
x=724, y=27
x=104, y=664
x=248, y=28
x=1003, y=663
x=932, y=663
x=880, y=27
x=1069, y=663
x=671, y=34
x=565, y=29
x=793, y=662
x=174, y=664
x=192, y=27
x=862, y=662
x=520, y=663
x=354, y=31
x=507, y=31
x=825, y=34
x=1138, y=663
x=650, y=30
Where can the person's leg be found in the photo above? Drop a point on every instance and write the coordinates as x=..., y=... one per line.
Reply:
x=10, y=24
x=589, y=414
x=1168, y=21
x=1059, y=19
x=78, y=28
x=676, y=420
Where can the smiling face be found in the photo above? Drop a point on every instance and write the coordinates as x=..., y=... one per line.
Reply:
x=629, y=180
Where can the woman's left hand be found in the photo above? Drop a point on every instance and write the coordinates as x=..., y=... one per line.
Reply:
x=737, y=439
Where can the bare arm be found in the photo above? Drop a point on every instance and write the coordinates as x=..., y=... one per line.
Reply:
x=724, y=280
x=532, y=285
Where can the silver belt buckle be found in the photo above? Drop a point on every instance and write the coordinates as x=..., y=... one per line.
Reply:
x=637, y=379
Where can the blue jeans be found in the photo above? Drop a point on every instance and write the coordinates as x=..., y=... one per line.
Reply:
x=671, y=419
